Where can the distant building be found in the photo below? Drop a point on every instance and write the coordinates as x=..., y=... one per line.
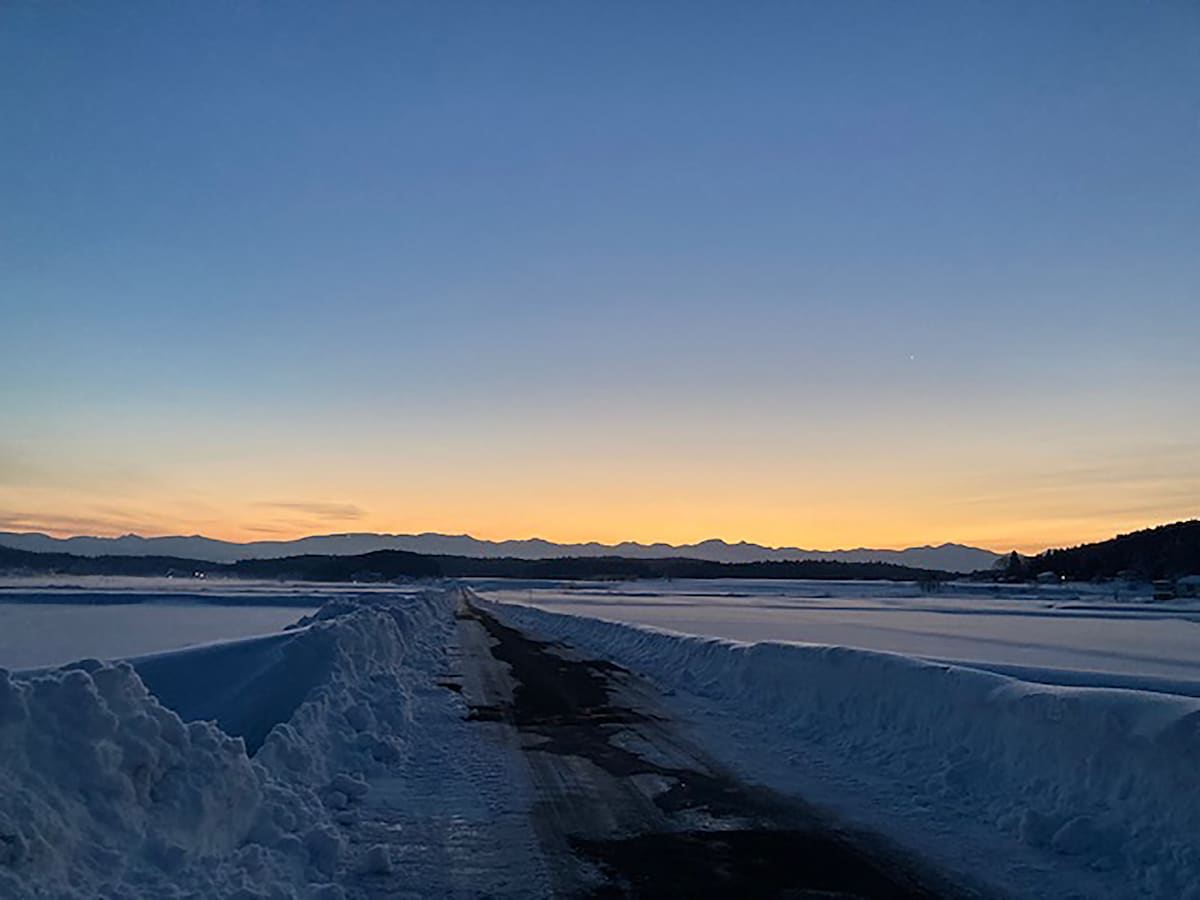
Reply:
x=1164, y=590
x=1049, y=578
x=1188, y=586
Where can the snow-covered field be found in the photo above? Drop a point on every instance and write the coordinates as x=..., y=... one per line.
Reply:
x=1066, y=634
x=52, y=622
x=35, y=635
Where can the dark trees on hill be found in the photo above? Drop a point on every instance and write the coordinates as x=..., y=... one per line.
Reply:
x=1168, y=551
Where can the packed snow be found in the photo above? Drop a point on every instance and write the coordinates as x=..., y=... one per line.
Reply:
x=1042, y=790
x=1097, y=635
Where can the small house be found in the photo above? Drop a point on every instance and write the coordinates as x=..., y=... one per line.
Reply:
x=1164, y=589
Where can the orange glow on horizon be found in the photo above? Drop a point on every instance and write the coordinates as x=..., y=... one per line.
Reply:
x=577, y=490
x=878, y=535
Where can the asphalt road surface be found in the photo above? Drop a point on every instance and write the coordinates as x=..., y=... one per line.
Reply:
x=624, y=806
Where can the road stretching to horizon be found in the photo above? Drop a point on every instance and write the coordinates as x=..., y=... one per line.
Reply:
x=625, y=806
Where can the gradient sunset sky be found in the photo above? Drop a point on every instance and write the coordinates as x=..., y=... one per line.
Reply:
x=817, y=274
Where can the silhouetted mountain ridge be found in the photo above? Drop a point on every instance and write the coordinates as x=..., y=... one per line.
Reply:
x=946, y=557
x=386, y=565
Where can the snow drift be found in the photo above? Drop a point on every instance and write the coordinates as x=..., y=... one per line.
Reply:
x=106, y=792
x=1105, y=776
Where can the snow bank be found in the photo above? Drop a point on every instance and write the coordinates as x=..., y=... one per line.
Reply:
x=106, y=792
x=361, y=711
x=92, y=767
x=1104, y=776
x=246, y=686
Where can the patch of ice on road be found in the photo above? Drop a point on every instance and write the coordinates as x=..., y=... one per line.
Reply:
x=655, y=753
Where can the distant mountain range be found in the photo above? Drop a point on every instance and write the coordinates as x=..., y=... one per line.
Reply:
x=946, y=557
x=389, y=565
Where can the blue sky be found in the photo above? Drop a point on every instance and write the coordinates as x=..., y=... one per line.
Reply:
x=796, y=273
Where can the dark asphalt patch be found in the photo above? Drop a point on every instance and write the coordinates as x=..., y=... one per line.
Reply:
x=744, y=864
x=550, y=690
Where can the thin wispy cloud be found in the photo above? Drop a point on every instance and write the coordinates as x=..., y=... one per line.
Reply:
x=317, y=509
x=1170, y=469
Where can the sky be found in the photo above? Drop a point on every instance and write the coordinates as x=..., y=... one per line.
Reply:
x=804, y=274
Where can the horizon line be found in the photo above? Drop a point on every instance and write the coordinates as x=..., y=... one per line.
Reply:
x=416, y=534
